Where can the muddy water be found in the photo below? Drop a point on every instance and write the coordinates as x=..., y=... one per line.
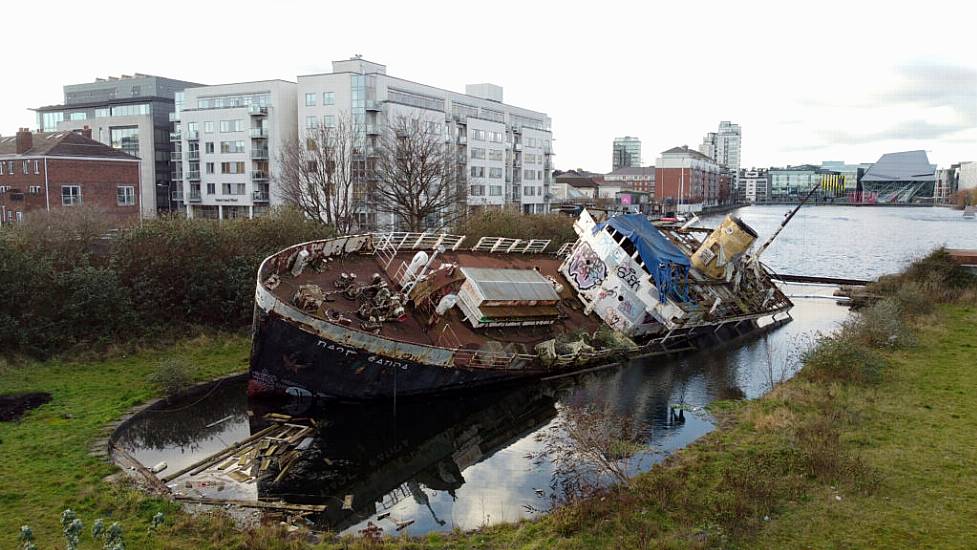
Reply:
x=466, y=462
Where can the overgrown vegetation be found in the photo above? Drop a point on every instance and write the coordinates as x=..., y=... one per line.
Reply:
x=62, y=283
x=556, y=228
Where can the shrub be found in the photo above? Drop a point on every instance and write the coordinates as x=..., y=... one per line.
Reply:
x=881, y=326
x=558, y=229
x=172, y=376
x=841, y=358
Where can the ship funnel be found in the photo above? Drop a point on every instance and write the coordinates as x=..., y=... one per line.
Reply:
x=727, y=242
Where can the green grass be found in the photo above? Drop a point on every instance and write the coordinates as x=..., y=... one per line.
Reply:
x=44, y=461
x=896, y=447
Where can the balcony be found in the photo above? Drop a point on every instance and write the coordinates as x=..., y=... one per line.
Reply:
x=176, y=176
x=192, y=135
x=259, y=154
x=257, y=110
x=176, y=156
x=260, y=196
x=193, y=155
x=176, y=136
x=174, y=116
x=374, y=105
x=193, y=175
x=462, y=140
x=259, y=133
x=517, y=146
x=257, y=176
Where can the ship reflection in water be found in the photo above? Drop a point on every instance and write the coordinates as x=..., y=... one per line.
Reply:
x=468, y=461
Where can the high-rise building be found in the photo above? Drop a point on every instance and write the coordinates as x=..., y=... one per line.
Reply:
x=227, y=140
x=129, y=113
x=504, y=152
x=723, y=146
x=626, y=153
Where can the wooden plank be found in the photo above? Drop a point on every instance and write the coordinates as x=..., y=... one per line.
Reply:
x=220, y=455
x=269, y=505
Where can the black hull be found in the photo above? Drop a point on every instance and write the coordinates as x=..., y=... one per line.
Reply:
x=288, y=360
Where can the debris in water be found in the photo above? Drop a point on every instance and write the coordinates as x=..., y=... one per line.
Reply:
x=221, y=421
x=159, y=467
x=348, y=502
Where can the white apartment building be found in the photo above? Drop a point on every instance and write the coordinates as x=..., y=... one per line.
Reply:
x=753, y=183
x=227, y=140
x=504, y=152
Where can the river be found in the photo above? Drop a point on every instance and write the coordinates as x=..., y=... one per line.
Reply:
x=468, y=462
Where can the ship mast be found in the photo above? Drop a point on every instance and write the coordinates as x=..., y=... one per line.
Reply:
x=787, y=218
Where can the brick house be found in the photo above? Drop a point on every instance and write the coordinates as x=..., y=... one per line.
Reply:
x=51, y=170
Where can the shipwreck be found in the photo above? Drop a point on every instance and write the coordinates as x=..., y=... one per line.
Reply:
x=391, y=315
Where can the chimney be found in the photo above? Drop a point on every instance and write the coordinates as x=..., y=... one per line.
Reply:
x=87, y=132
x=25, y=140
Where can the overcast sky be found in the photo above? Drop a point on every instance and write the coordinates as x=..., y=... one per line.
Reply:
x=807, y=81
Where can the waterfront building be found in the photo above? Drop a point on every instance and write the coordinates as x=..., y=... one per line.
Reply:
x=227, y=142
x=967, y=176
x=686, y=180
x=723, y=146
x=62, y=169
x=633, y=178
x=899, y=178
x=130, y=113
x=851, y=174
x=754, y=186
x=503, y=152
x=626, y=153
x=946, y=184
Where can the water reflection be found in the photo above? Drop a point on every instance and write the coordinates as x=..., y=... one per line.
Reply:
x=468, y=461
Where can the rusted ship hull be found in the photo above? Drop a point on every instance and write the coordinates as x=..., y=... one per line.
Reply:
x=288, y=360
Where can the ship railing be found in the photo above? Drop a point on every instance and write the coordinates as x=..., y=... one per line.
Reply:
x=490, y=359
x=507, y=245
x=386, y=245
x=565, y=249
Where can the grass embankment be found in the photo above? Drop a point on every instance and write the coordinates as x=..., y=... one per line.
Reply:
x=871, y=445
x=44, y=462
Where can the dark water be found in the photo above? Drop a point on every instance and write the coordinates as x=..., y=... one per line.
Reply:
x=468, y=462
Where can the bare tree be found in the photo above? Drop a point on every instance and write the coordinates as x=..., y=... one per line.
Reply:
x=318, y=176
x=415, y=177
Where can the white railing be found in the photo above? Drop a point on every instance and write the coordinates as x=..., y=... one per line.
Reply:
x=386, y=245
x=565, y=250
x=507, y=245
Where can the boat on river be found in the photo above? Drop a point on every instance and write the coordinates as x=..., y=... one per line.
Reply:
x=393, y=315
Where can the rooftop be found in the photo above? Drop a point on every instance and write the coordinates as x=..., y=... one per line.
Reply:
x=902, y=166
x=61, y=144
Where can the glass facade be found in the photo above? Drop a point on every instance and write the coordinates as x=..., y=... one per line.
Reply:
x=221, y=102
x=49, y=121
x=125, y=138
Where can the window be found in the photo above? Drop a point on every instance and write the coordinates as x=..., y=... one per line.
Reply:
x=37, y=167
x=231, y=126
x=103, y=112
x=208, y=147
x=125, y=138
x=478, y=135
x=132, y=110
x=496, y=137
x=209, y=127
x=529, y=174
x=27, y=167
x=10, y=168
x=233, y=188
x=329, y=121
x=211, y=188
x=209, y=167
x=125, y=195
x=478, y=153
x=34, y=189
x=1, y=167
x=495, y=154
x=232, y=147
x=495, y=173
x=232, y=168
x=49, y=121
x=311, y=122
x=477, y=190
x=70, y=195
x=310, y=99
x=79, y=116
x=478, y=171
x=495, y=190
x=328, y=98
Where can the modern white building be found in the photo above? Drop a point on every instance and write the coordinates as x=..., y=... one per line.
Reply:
x=504, y=152
x=227, y=140
x=724, y=147
x=967, y=175
x=754, y=185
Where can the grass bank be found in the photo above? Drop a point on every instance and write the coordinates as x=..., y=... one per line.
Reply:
x=871, y=445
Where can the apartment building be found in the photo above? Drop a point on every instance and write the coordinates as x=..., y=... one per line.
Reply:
x=503, y=153
x=723, y=146
x=227, y=140
x=130, y=113
x=52, y=170
x=686, y=180
x=754, y=186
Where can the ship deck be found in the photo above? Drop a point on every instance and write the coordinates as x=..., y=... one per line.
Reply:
x=449, y=330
